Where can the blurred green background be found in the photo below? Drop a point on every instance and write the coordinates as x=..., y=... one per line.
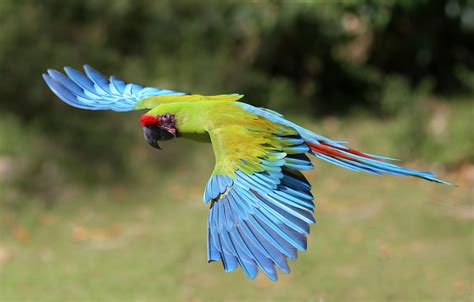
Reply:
x=89, y=212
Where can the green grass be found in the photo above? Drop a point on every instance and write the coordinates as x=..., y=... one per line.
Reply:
x=376, y=238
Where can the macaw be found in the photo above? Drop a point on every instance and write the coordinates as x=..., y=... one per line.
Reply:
x=261, y=204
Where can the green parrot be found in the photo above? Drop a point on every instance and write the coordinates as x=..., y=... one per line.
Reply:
x=261, y=204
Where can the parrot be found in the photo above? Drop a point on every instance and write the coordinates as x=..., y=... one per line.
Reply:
x=261, y=205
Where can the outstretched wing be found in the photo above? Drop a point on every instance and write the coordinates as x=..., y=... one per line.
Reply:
x=93, y=91
x=261, y=205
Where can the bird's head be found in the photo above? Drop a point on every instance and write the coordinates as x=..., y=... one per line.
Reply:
x=159, y=128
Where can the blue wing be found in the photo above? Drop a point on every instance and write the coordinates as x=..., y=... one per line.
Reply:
x=260, y=220
x=93, y=91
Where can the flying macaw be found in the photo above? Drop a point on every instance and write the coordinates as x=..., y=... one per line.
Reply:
x=261, y=204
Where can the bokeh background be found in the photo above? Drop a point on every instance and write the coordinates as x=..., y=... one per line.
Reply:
x=90, y=212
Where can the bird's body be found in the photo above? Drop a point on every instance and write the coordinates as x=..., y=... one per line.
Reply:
x=226, y=125
x=261, y=204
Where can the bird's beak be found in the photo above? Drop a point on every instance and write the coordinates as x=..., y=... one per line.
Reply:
x=155, y=145
x=152, y=135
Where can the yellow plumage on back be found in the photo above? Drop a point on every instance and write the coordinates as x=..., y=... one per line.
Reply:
x=154, y=101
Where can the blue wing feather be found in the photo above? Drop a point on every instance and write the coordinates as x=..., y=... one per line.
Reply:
x=93, y=91
x=262, y=218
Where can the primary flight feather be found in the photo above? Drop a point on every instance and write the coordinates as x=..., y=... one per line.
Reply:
x=261, y=205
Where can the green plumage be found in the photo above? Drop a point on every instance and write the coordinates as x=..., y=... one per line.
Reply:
x=236, y=134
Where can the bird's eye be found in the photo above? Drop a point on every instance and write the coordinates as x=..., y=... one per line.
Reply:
x=166, y=117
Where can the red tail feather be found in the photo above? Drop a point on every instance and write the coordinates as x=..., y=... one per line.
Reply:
x=334, y=151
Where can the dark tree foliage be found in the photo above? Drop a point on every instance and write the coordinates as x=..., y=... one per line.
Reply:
x=431, y=39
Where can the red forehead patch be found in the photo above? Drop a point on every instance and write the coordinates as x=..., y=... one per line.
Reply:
x=148, y=120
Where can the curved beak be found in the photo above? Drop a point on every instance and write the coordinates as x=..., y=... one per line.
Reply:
x=152, y=135
x=155, y=145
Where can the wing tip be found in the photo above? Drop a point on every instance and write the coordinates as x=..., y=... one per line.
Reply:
x=90, y=71
x=68, y=70
x=51, y=71
x=45, y=76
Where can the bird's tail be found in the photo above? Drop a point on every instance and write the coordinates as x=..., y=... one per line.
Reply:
x=340, y=155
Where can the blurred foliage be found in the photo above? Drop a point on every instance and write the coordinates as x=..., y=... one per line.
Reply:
x=382, y=58
x=330, y=56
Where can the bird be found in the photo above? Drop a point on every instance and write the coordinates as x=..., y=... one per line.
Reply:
x=261, y=205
